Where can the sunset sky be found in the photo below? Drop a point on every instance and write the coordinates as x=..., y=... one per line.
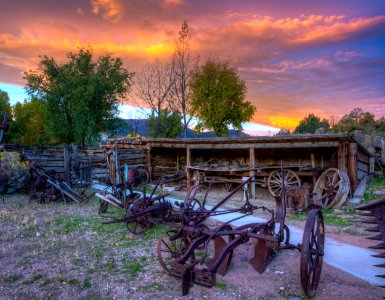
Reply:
x=297, y=57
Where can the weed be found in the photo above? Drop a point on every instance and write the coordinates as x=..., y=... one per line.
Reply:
x=72, y=281
x=375, y=184
x=86, y=284
x=35, y=277
x=12, y=278
x=221, y=285
x=110, y=265
x=134, y=269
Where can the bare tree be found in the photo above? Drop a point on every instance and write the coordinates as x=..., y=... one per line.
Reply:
x=183, y=66
x=154, y=89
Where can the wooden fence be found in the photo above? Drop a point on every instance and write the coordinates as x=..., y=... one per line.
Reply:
x=76, y=163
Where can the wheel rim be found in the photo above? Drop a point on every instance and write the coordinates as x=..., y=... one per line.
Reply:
x=312, y=252
x=169, y=251
x=141, y=224
x=142, y=176
x=331, y=188
x=274, y=182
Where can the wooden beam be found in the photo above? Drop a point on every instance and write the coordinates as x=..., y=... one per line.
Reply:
x=67, y=164
x=312, y=160
x=252, y=171
x=352, y=165
x=149, y=162
x=208, y=145
x=383, y=151
x=188, y=164
x=371, y=165
x=342, y=156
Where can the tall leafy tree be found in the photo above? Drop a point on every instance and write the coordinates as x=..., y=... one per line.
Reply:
x=29, y=125
x=310, y=124
x=5, y=105
x=357, y=119
x=80, y=94
x=170, y=124
x=183, y=66
x=218, y=98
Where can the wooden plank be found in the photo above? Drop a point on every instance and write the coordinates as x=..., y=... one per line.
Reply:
x=352, y=164
x=363, y=167
x=371, y=165
x=188, y=165
x=296, y=145
x=252, y=172
x=342, y=156
x=67, y=164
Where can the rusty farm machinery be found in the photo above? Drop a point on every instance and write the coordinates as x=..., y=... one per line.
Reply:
x=195, y=252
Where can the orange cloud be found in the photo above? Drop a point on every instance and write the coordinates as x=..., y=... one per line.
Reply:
x=173, y=2
x=110, y=10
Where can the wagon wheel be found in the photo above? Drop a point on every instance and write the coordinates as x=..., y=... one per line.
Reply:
x=165, y=210
x=332, y=188
x=169, y=251
x=196, y=178
x=274, y=182
x=295, y=198
x=142, y=176
x=141, y=224
x=312, y=252
x=227, y=186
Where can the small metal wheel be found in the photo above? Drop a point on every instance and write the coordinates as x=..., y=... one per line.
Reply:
x=274, y=182
x=141, y=224
x=142, y=176
x=103, y=207
x=312, y=252
x=295, y=198
x=169, y=251
x=332, y=188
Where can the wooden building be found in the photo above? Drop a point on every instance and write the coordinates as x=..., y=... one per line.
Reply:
x=307, y=154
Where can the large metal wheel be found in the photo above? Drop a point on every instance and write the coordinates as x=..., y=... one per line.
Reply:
x=169, y=251
x=274, y=182
x=312, y=252
x=331, y=189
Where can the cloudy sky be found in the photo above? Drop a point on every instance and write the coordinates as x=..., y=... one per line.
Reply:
x=297, y=57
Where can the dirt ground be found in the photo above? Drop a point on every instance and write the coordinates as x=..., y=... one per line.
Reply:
x=62, y=251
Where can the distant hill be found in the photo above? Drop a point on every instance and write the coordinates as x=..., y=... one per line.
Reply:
x=139, y=126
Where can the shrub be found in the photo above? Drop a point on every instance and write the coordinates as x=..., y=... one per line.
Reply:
x=13, y=171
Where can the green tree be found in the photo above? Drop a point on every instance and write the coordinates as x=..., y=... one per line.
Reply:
x=80, y=94
x=169, y=126
x=29, y=124
x=5, y=105
x=310, y=124
x=357, y=119
x=217, y=98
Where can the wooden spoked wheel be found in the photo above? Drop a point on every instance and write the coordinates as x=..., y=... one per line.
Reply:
x=332, y=188
x=274, y=182
x=233, y=163
x=196, y=178
x=312, y=252
x=169, y=251
x=295, y=198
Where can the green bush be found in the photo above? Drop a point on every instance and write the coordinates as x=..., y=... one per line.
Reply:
x=13, y=171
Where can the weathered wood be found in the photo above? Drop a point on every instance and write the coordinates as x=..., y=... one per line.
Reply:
x=363, y=167
x=383, y=151
x=371, y=165
x=188, y=164
x=67, y=164
x=352, y=165
x=342, y=156
x=312, y=160
x=252, y=172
